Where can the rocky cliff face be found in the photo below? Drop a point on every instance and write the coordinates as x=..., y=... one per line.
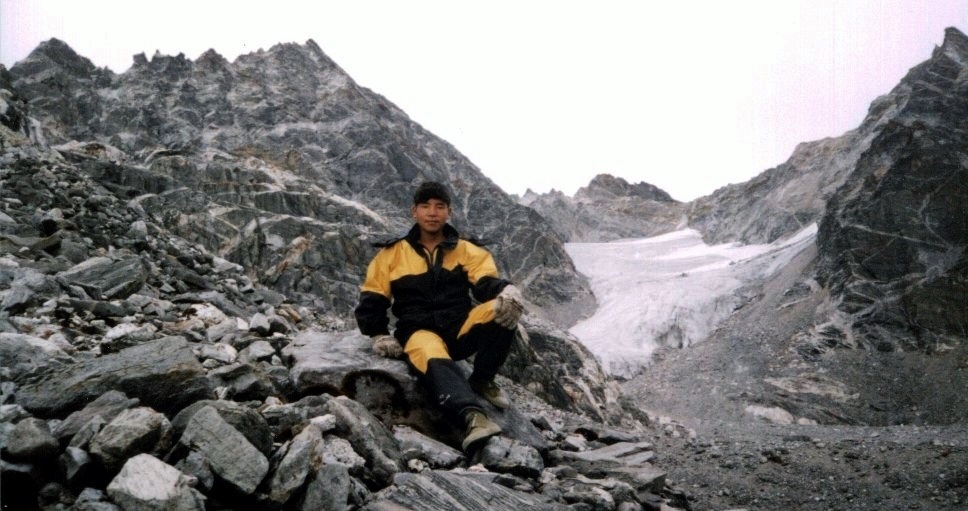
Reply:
x=609, y=208
x=894, y=237
x=281, y=163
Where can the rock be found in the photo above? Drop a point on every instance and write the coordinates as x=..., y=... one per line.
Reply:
x=31, y=440
x=230, y=454
x=25, y=354
x=258, y=350
x=195, y=465
x=92, y=499
x=505, y=455
x=163, y=374
x=77, y=466
x=297, y=462
x=368, y=436
x=82, y=439
x=329, y=490
x=104, y=278
x=338, y=451
x=133, y=431
x=107, y=406
x=244, y=382
x=413, y=444
x=243, y=419
x=259, y=324
x=147, y=483
x=447, y=491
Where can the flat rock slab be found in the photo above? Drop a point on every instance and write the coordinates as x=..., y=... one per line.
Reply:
x=104, y=278
x=333, y=360
x=455, y=491
x=163, y=374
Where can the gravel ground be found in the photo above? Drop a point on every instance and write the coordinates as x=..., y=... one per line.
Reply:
x=769, y=467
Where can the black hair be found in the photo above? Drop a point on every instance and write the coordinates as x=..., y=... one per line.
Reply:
x=431, y=190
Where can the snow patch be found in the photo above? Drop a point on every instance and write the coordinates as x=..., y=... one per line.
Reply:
x=668, y=290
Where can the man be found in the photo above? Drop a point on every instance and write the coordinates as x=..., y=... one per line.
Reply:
x=428, y=277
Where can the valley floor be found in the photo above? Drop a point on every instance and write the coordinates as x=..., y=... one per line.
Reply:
x=770, y=467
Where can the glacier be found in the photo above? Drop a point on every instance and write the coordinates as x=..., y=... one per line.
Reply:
x=668, y=290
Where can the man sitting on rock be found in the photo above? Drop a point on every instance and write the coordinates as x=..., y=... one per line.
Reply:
x=428, y=276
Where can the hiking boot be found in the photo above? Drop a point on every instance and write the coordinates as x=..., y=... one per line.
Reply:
x=491, y=392
x=479, y=428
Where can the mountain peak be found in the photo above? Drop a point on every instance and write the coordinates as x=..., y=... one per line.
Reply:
x=609, y=185
x=54, y=52
x=955, y=45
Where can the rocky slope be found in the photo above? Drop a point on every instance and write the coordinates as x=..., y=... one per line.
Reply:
x=140, y=370
x=180, y=246
x=281, y=163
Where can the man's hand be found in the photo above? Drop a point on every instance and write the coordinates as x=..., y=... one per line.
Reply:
x=508, y=307
x=387, y=346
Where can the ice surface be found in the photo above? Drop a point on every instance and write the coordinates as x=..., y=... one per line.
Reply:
x=670, y=290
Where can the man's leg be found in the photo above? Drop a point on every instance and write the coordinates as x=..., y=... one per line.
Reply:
x=491, y=343
x=427, y=352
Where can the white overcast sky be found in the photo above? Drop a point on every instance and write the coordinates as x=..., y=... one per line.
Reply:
x=688, y=96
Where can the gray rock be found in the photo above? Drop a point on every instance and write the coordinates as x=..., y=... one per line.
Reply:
x=414, y=444
x=105, y=278
x=163, y=374
x=25, y=354
x=297, y=462
x=31, y=440
x=92, y=499
x=77, y=466
x=258, y=350
x=329, y=489
x=195, y=465
x=338, y=451
x=87, y=432
x=230, y=454
x=325, y=360
x=133, y=431
x=244, y=382
x=627, y=453
x=454, y=491
x=259, y=324
x=505, y=455
x=147, y=483
x=243, y=419
x=368, y=436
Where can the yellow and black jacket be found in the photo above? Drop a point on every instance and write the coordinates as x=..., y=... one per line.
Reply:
x=428, y=291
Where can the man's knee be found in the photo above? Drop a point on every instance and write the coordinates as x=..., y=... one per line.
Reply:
x=422, y=346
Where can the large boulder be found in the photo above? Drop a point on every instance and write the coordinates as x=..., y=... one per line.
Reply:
x=163, y=374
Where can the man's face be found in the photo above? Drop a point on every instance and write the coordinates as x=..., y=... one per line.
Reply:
x=432, y=215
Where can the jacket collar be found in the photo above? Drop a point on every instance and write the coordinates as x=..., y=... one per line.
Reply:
x=451, y=237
